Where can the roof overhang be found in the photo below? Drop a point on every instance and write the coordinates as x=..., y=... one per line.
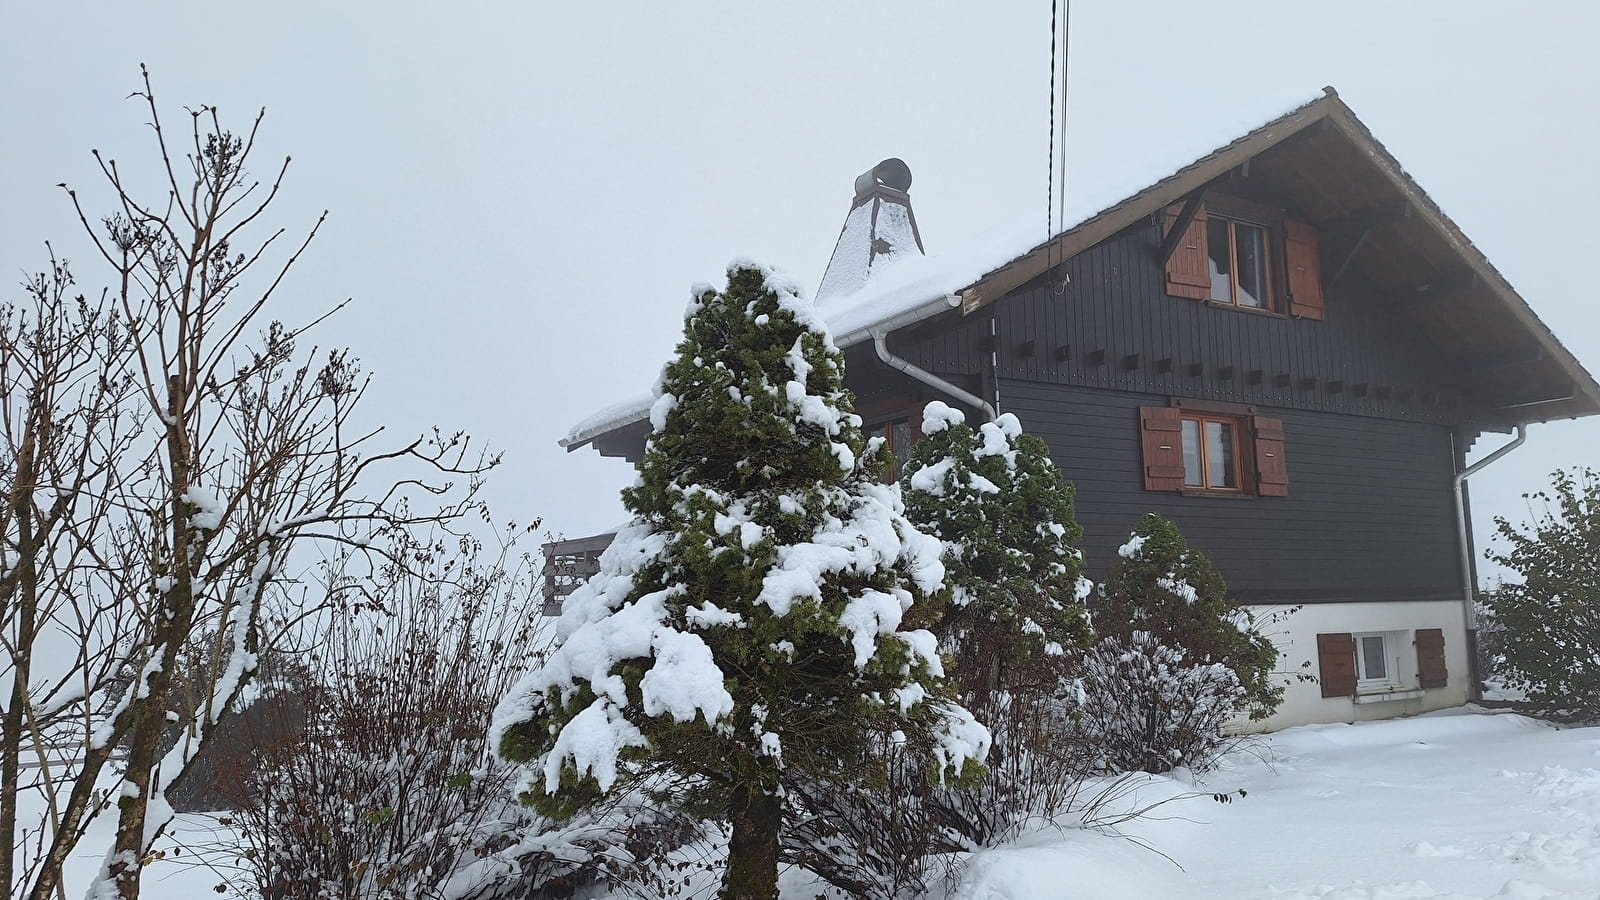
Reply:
x=1478, y=316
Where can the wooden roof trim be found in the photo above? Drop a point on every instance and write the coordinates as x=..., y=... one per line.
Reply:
x=1429, y=211
x=1174, y=187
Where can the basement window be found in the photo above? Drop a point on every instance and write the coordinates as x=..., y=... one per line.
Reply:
x=1375, y=665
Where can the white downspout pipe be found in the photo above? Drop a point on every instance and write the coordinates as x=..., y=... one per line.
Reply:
x=1469, y=599
x=880, y=343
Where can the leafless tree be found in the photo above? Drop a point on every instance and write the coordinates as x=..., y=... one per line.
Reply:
x=162, y=462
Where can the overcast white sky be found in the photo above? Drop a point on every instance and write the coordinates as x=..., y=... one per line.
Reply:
x=521, y=193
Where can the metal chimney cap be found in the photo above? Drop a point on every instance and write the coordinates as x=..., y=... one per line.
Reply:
x=892, y=173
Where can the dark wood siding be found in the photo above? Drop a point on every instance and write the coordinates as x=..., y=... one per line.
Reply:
x=1368, y=515
x=1368, y=404
x=1113, y=326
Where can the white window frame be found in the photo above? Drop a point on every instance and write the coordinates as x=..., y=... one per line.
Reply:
x=1391, y=677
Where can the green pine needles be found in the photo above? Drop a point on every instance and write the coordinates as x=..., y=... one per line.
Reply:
x=1005, y=514
x=762, y=615
x=1546, y=625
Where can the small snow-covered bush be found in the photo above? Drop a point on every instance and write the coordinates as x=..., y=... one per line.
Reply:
x=1142, y=707
x=896, y=835
x=1546, y=625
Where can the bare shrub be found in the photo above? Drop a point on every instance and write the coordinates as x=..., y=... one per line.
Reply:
x=392, y=790
x=166, y=446
x=1142, y=708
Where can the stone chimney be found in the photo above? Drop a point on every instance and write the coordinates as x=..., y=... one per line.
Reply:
x=879, y=229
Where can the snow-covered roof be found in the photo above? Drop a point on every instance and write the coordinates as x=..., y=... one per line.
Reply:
x=901, y=293
x=909, y=288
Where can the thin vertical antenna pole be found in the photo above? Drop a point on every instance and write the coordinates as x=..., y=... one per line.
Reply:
x=1050, y=162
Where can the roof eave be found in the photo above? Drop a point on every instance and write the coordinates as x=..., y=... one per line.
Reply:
x=1584, y=385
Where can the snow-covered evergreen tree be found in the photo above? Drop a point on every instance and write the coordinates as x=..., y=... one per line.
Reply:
x=759, y=614
x=1005, y=515
x=1162, y=586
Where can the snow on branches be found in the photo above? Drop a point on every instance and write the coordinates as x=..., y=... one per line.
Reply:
x=763, y=612
x=1005, y=515
x=1162, y=586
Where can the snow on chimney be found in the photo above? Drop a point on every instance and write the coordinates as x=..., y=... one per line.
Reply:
x=879, y=229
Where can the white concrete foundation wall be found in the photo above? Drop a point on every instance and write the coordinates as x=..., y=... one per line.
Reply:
x=1296, y=637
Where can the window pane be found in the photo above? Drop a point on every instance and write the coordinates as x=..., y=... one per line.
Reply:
x=1221, y=262
x=1252, y=249
x=1191, y=453
x=1219, y=455
x=1373, y=663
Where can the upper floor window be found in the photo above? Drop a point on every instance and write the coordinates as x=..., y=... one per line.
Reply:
x=1239, y=263
x=1246, y=256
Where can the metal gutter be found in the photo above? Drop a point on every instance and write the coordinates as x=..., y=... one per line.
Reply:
x=909, y=317
x=1469, y=591
x=880, y=343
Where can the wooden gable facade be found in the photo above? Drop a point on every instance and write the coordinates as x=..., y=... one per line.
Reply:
x=1375, y=347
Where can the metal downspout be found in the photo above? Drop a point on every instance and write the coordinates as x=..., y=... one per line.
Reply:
x=880, y=343
x=1469, y=596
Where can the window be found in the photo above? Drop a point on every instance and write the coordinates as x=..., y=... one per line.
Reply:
x=1374, y=668
x=1244, y=255
x=1211, y=453
x=1366, y=665
x=1213, y=449
x=1237, y=263
x=899, y=435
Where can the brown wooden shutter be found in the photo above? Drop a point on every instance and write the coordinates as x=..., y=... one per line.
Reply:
x=1305, y=269
x=1336, y=655
x=1272, y=468
x=1189, y=266
x=1161, y=434
x=1430, y=657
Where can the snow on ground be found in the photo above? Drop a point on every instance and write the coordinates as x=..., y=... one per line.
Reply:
x=1440, y=806
x=1462, y=804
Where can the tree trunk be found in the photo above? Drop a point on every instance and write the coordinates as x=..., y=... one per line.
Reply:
x=753, y=851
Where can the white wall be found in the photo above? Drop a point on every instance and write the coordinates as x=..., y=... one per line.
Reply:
x=1296, y=637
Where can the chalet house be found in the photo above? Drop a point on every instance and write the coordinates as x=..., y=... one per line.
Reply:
x=1284, y=346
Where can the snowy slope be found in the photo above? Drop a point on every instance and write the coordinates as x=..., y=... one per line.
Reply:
x=1441, y=806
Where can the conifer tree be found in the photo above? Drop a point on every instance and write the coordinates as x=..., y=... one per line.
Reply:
x=1546, y=624
x=1005, y=515
x=1163, y=587
x=760, y=615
